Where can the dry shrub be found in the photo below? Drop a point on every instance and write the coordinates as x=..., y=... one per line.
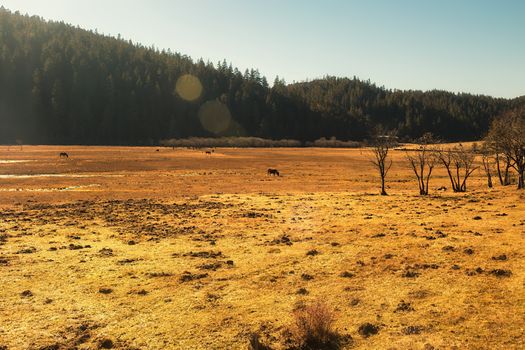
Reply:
x=314, y=328
x=333, y=143
x=256, y=343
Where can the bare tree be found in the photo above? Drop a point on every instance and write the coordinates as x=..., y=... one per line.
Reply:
x=423, y=161
x=459, y=163
x=507, y=133
x=503, y=162
x=381, y=145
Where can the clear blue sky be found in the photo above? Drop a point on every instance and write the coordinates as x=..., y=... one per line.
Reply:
x=475, y=46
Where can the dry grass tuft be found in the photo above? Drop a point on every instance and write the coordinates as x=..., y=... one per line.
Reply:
x=314, y=328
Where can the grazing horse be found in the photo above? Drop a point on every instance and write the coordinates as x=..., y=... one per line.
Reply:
x=273, y=172
x=63, y=155
x=208, y=153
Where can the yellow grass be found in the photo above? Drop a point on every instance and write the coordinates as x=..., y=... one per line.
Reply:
x=177, y=203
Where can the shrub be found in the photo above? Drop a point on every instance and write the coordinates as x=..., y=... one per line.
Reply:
x=333, y=143
x=256, y=344
x=368, y=329
x=314, y=328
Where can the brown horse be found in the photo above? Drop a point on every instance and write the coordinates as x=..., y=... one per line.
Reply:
x=273, y=172
x=63, y=155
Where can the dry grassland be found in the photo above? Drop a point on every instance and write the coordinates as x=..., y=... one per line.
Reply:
x=134, y=248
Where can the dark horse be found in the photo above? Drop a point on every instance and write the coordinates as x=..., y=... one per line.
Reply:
x=63, y=155
x=273, y=172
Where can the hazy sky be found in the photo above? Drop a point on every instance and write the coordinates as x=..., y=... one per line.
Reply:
x=475, y=46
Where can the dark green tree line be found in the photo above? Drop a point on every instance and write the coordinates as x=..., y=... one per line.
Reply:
x=60, y=84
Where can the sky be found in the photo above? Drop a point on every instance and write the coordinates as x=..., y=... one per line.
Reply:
x=475, y=46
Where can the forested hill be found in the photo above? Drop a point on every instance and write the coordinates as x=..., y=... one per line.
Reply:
x=60, y=84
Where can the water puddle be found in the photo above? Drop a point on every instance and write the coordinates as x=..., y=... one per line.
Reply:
x=28, y=176
x=53, y=189
x=12, y=161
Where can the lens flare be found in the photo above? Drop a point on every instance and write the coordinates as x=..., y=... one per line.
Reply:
x=189, y=87
x=215, y=116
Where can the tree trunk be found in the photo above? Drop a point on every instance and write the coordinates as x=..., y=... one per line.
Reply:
x=422, y=188
x=486, y=166
x=521, y=180
x=383, y=192
x=507, y=175
x=447, y=166
x=498, y=167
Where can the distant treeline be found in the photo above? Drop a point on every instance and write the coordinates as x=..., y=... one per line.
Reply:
x=203, y=142
x=60, y=84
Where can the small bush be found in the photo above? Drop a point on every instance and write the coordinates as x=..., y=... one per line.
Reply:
x=256, y=344
x=368, y=329
x=106, y=344
x=312, y=252
x=314, y=328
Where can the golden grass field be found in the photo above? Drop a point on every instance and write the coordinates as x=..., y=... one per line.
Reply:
x=134, y=248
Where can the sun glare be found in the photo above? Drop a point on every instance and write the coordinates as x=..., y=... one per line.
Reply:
x=189, y=87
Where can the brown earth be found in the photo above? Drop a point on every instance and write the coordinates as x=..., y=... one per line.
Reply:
x=134, y=248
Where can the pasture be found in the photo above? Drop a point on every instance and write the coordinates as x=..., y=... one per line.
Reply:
x=133, y=248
